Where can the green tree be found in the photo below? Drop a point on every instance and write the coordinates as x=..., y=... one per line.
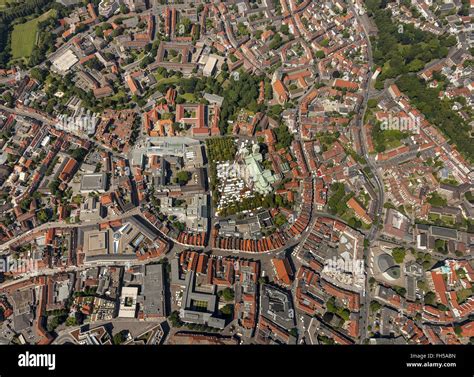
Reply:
x=43, y=216
x=228, y=294
x=320, y=54
x=430, y=298
x=283, y=136
x=71, y=321
x=331, y=305
x=374, y=306
x=183, y=177
x=285, y=29
x=458, y=330
x=120, y=337
x=175, y=320
x=227, y=310
x=398, y=254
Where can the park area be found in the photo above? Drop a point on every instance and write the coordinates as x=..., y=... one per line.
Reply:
x=24, y=36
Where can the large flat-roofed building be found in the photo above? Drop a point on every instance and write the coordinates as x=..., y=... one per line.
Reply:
x=65, y=61
x=199, y=307
x=170, y=146
x=445, y=233
x=397, y=225
x=107, y=245
x=117, y=244
x=154, y=303
x=108, y=7
x=91, y=210
x=276, y=305
x=441, y=239
x=94, y=182
x=128, y=302
x=97, y=242
x=208, y=69
x=195, y=215
x=95, y=336
x=189, y=149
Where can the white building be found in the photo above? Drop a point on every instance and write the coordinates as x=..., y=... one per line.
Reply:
x=108, y=7
x=65, y=61
x=128, y=302
x=208, y=69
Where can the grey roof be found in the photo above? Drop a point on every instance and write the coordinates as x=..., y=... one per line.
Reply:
x=276, y=305
x=190, y=295
x=411, y=288
x=444, y=232
x=175, y=275
x=212, y=98
x=202, y=318
x=201, y=315
x=94, y=182
x=422, y=227
x=384, y=262
x=423, y=240
x=216, y=322
x=170, y=146
x=144, y=226
x=153, y=291
x=384, y=292
x=386, y=316
x=446, y=210
x=21, y=322
x=413, y=268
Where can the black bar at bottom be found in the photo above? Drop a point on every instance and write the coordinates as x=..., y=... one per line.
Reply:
x=222, y=361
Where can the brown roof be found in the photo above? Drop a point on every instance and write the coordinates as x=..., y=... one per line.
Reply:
x=283, y=270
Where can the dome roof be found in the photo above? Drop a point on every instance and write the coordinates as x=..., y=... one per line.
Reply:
x=393, y=272
x=384, y=262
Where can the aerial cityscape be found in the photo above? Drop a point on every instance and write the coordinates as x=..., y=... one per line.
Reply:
x=241, y=172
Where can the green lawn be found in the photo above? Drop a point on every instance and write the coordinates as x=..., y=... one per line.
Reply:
x=433, y=217
x=169, y=80
x=24, y=36
x=189, y=97
x=392, y=144
x=448, y=219
x=390, y=139
x=220, y=78
x=463, y=295
x=119, y=95
x=165, y=80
